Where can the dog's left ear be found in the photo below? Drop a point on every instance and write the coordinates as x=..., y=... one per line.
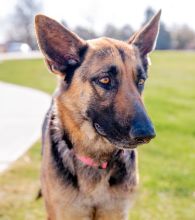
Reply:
x=145, y=39
x=63, y=50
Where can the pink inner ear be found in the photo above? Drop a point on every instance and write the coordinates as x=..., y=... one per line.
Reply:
x=71, y=60
x=146, y=38
x=57, y=67
x=146, y=41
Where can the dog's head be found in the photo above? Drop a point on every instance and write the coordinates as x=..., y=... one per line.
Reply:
x=101, y=80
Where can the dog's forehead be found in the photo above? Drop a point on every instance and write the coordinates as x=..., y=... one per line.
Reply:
x=105, y=51
x=111, y=47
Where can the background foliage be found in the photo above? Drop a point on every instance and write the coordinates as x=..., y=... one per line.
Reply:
x=21, y=29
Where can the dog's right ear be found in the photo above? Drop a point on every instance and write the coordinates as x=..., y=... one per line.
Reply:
x=145, y=39
x=63, y=50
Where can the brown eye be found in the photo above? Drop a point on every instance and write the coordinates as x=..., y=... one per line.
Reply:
x=105, y=80
x=141, y=82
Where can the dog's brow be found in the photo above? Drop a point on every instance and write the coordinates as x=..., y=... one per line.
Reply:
x=113, y=70
x=122, y=54
x=104, y=52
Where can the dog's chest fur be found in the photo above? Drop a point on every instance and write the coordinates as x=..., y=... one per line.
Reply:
x=74, y=181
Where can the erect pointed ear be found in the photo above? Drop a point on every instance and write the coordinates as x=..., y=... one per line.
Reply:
x=63, y=50
x=145, y=39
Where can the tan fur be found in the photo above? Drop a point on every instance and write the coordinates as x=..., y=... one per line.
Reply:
x=93, y=202
x=111, y=203
x=95, y=199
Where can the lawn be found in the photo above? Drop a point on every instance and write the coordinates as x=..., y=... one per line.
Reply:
x=167, y=164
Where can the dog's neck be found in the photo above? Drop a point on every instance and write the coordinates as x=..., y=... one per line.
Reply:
x=67, y=163
x=87, y=143
x=61, y=142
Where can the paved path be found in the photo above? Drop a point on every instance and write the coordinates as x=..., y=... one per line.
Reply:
x=19, y=55
x=21, y=114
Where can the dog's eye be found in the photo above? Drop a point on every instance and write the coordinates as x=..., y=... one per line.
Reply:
x=105, y=80
x=141, y=82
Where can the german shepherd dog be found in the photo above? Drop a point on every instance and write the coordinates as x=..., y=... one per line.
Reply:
x=95, y=122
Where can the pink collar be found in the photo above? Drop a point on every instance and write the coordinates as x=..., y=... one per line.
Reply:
x=90, y=162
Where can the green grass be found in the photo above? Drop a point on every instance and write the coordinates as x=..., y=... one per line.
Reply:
x=167, y=164
x=30, y=73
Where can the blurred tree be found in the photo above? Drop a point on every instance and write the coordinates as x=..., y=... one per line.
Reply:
x=183, y=38
x=118, y=33
x=22, y=22
x=125, y=32
x=85, y=33
x=149, y=13
x=111, y=31
x=164, y=40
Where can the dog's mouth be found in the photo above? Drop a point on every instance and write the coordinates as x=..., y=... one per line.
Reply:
x=122, y=143
x=126, y=146
x=130, y=144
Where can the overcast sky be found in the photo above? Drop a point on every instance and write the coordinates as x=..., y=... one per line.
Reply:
x=97, y=13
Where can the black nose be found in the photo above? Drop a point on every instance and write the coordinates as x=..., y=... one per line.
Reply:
x=142, y=130
x=142, y=133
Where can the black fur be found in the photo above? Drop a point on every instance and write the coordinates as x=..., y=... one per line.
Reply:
x=132, y=155
x=69, y=72
x=105, y=118
x=82, y=52
x=123, y=165
x=63, y=171
x=119, y=174
x=145, y=63
x=70, y=69
x=67, y=141
x=122, y=54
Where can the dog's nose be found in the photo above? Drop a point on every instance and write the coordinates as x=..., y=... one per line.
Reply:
x=142, y=134
x=141, y=130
